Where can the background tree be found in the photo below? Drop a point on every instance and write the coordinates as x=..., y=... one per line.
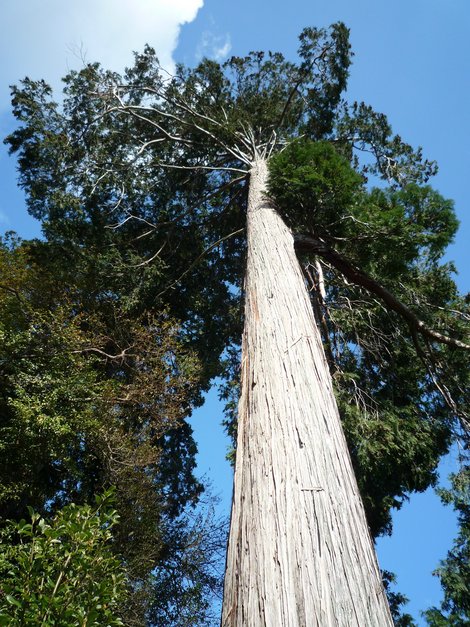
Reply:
x=93, y=397
x=454, y=570
x=150, y=171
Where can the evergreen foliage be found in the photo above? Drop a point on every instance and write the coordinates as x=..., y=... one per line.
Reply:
x=454, y=571
x=313, y=184
x=396, y=600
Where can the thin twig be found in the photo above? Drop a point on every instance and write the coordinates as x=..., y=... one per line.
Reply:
x=196, y=261
x=357, y=276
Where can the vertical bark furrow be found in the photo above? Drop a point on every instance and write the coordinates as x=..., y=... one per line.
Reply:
x=300, y=554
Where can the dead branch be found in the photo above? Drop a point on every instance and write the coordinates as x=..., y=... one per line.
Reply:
x=198, y=259
x=357, y=276
x=92, y=349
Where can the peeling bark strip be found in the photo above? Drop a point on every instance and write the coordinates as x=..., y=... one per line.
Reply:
x=300, y=553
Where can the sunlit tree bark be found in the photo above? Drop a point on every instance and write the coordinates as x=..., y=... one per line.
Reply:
x=300, y=553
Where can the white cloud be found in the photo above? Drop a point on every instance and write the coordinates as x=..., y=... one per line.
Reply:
x=214, y=46
x=4, y=219
x=221, y=52
x=45, y=38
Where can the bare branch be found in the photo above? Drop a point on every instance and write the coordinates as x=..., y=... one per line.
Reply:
x=131, y=109
x=175, y=138
x=92, y=349
x=196, y=261
x=321, y=280
x=357, y=276
x=427, y=361
x=147, y=261
x=213, y=168
x=129, y=217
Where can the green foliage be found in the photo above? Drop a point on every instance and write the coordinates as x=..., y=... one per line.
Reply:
x=50, y=395
x=394, y=452
x=76, y=419
x=90, y=188
x=313, y=185
x=454, y=571
x=399, y=227
x=395, y=601
x=140, y=182
x=62, y=571
x=396, y=422
x=364, y=132
x=326, y=57
x=317, y=191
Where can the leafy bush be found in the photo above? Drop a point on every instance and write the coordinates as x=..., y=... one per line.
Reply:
x=62, y=571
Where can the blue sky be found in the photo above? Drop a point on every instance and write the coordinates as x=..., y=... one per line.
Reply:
x=411, y=62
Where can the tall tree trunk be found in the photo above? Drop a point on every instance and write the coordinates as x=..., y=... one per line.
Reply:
x=300, y=553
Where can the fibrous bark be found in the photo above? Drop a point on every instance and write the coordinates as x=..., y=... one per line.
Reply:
x=300, y=553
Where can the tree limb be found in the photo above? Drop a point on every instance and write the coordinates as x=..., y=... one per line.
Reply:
x=196, y=261
x=92, y=349
x=303, y=74
x=350, y=271
x=12, y=290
